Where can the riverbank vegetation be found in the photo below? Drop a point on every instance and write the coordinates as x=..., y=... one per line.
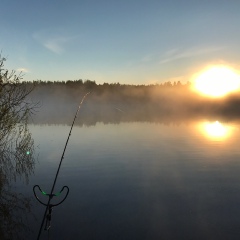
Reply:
x=17, y=159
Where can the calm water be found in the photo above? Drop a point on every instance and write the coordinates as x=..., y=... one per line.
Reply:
x=140, y=181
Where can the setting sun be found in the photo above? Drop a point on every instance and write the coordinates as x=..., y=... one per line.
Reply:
x=217, y=81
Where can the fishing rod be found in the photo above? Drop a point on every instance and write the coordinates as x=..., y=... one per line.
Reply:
x=49, y=206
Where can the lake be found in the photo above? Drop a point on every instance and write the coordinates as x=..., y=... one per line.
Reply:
x=139, y=180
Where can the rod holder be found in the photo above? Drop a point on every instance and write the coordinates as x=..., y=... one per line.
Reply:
x=48, y=205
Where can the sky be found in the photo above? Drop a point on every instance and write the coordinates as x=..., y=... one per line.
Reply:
x=127, y=41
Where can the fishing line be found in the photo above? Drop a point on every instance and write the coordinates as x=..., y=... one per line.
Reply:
x=49, y=206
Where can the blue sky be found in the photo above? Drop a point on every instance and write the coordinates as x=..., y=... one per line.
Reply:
x=128, y=41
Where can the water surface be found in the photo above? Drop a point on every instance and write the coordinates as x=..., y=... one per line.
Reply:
x=140, y=181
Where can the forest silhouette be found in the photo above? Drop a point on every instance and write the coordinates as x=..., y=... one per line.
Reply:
x=114, y=103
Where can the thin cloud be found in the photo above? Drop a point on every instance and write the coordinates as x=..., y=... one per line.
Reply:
x=55, y=44
x=156, y=56
x=23, y=70
x=173, y=55
x=147, y=58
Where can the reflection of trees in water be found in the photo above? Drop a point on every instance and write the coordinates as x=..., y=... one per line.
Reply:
x=14, y=164
x=17, y=149
x=16, y=152
x=13, y=210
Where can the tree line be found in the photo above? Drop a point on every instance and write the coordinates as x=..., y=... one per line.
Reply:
x=92, y=85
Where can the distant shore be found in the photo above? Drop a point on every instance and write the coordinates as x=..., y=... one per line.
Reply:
x=114, y=103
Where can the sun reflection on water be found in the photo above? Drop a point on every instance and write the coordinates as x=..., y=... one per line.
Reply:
x=216, y=130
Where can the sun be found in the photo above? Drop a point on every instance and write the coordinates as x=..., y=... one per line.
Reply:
x=217, y=81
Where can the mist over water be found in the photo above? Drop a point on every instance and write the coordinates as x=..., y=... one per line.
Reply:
x=116, y=103
x=139, y=165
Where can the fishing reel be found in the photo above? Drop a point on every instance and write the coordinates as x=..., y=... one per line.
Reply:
x=48, y=204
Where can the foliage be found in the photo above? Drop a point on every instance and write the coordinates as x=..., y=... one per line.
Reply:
x=16, y=149
x=15, y=110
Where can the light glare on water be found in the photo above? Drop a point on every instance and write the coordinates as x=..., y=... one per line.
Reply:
x=216, y=130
